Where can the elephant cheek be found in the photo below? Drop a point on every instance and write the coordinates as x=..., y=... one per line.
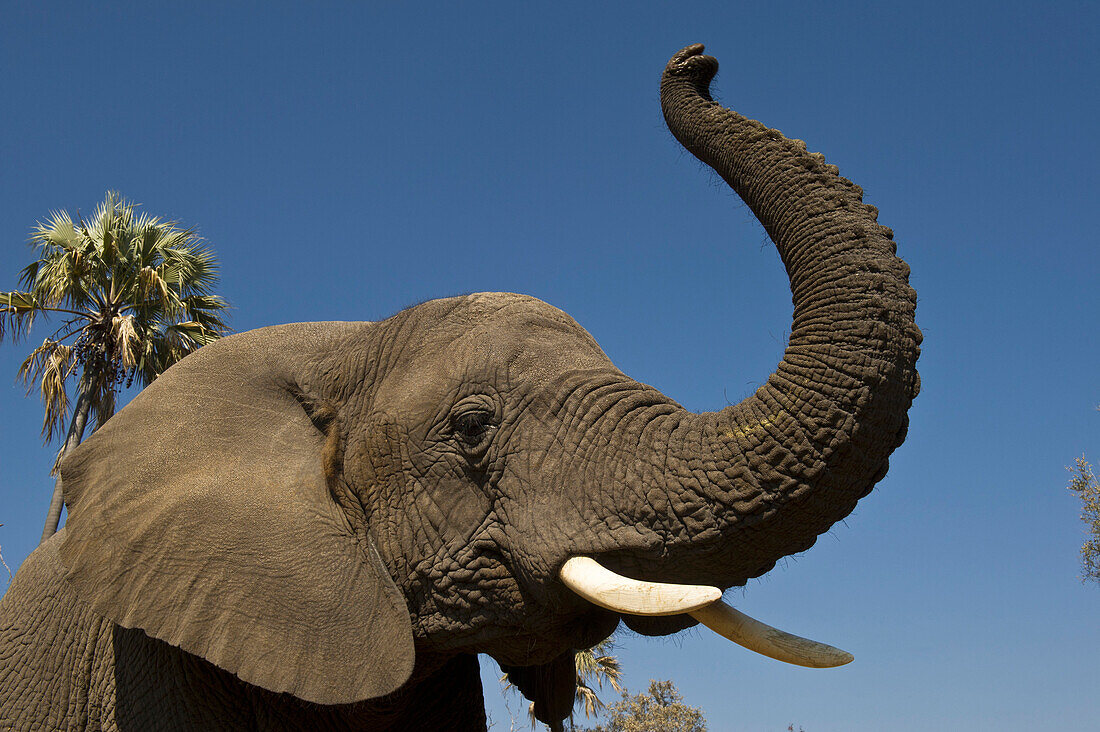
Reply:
x=452, y=509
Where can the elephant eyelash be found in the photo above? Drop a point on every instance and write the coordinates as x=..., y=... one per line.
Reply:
x=472, y=427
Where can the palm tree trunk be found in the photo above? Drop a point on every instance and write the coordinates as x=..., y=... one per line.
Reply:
x=72, y=439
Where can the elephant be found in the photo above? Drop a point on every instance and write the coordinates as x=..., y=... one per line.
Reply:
x=320, y=525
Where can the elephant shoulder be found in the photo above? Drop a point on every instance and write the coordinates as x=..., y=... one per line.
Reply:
x=55, y=653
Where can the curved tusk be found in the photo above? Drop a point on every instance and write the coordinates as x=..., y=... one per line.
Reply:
x=768, y=641
x=600, y=586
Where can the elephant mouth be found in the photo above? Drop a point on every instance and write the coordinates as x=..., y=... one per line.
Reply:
x=600, y=586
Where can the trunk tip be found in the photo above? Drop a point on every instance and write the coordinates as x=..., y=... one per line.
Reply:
x=691, y=63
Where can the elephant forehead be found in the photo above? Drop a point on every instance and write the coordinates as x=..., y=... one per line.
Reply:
x=498, y=342
x=527, y=336
x=494, y=335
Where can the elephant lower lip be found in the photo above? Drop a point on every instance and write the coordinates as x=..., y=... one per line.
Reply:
x=658, y=626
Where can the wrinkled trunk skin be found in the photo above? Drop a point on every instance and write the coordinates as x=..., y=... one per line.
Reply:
x=743, y=487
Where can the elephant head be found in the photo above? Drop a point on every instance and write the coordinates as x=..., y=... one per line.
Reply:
x=314, y=507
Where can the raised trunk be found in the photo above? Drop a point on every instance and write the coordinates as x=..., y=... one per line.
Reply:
x=762, y=479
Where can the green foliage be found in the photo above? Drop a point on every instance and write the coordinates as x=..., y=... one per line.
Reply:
x=1083, y=482
x=135, y=295
x=661, y=709
x=598, y=665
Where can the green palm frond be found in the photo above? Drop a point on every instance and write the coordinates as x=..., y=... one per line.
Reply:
x=193, y=269
x=207, y=305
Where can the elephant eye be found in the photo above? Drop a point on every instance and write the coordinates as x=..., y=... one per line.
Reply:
x=472, y=427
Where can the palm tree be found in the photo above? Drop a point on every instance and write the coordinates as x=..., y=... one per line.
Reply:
x=596, y=664
x=593, y=664
x=135, y=295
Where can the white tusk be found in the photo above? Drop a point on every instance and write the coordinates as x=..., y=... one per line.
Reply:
x=600, y=586
x=769, y=641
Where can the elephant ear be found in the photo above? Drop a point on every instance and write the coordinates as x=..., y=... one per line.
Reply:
x=201, y=514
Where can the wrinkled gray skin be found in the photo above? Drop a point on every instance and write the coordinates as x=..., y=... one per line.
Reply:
x=318, y=525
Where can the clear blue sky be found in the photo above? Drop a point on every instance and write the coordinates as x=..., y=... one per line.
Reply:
x=347, y=160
